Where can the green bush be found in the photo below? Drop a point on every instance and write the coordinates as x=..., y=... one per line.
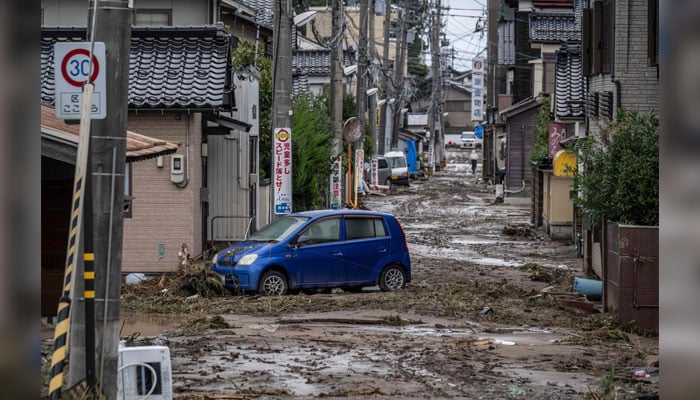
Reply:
x=619, y=178
x=539, y=153
x=311, y=152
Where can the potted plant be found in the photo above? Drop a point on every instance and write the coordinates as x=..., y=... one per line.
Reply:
x=617, y=183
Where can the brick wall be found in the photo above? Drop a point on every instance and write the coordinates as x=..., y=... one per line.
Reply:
x=162, y=213
x=639, y=84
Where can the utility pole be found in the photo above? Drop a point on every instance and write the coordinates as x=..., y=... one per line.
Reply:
x=108, y=151
x=433, y=117
x=372, y=82
x=337, y=76
x=488, y=146
x=387, y=88
x=398, y=79
x=282, y=90
x=362, y=73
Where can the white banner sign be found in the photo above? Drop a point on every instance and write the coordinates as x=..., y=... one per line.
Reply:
x=374, y=172
x=360, y=168
x=282, y=156
x=336, y=184
x=477, y=89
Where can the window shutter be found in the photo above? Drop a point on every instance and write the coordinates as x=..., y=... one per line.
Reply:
x=586, y=50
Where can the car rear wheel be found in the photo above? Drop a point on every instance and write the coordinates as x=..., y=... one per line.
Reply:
x=273, y=283
x=388, y=182
x=392, y=278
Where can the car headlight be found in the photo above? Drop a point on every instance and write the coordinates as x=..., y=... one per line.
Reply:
x=248, y=259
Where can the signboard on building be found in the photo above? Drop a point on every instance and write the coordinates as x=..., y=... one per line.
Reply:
x=74, y=66
x=556, y=134
x=336, y=185
x=282, y=157
x=477, y=89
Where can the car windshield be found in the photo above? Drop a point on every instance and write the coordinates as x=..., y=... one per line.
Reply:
x=467, y=136
x=396, y=162
x=278, y=230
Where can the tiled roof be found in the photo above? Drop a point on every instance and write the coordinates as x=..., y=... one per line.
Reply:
x=138, y=147
x=264, y=11
x=570, y=87
x=312, y=62
x=300, y=84
x=554, y=27
x=169, y=67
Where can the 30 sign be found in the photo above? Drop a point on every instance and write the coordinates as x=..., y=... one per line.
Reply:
x=72, y=65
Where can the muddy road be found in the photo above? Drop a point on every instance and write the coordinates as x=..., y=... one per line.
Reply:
x=475, y=322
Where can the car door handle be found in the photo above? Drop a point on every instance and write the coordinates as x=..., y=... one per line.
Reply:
x=338, y=253
x=382, y=249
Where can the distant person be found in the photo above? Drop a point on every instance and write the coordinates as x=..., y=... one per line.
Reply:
x=474, y=158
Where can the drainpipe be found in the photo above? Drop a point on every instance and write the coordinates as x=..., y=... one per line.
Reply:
x=187, y=152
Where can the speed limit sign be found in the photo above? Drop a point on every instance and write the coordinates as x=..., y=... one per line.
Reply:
x=72, y=65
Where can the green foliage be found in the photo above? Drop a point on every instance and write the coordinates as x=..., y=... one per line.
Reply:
x=540, y=144
x=244, y=56
x=349, y=106
x=311, y=152
x=619, y=178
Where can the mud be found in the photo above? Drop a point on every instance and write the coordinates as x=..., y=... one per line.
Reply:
x=474, y=323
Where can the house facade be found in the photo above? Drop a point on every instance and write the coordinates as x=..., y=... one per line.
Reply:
x=181, y=89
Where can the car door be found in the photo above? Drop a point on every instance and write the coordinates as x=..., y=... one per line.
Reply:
x=365, y=248
x=316, y=258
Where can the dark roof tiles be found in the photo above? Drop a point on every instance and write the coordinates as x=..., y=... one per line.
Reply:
x=554, y=27
x=570, y=87
x=168, y=68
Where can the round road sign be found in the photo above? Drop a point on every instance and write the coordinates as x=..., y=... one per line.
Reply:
x=75, y=67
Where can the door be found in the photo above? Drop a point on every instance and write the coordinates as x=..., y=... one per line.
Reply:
x=366, y=247
x=317, y=261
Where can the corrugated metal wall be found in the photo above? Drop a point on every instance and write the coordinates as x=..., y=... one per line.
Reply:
x=232, y=168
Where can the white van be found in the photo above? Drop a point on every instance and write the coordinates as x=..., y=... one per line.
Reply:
x=396, y=160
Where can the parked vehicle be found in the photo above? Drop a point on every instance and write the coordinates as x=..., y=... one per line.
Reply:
x=468, y=140
x=349, y=249
x=452, y=140
x=396, y=161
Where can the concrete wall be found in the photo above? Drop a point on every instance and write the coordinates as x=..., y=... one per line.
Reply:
x=164, y=215
x=558, y=210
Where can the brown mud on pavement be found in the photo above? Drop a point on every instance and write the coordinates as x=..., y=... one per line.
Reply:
x=475, y=322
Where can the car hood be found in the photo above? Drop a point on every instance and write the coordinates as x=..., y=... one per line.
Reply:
x=238, y=250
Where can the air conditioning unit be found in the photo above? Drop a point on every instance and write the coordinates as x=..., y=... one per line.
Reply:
x=144, y=372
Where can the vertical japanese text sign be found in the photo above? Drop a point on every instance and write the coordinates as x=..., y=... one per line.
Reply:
x=477, y=89
x=336, y=199
x=71, y=69
x=282, y=156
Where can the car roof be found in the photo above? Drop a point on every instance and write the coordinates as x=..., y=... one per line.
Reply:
x=327, y=213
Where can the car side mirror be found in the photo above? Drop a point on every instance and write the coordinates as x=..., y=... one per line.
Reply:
x=301, y=240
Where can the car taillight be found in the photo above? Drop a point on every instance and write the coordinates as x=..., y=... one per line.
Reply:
x=405, y=244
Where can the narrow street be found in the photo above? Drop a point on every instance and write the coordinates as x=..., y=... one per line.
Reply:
x=474, y=322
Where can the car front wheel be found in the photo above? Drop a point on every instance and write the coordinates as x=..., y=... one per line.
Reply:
x=392, y=278
x=273, y=283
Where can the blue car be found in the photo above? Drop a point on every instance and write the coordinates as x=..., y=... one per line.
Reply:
x=349, y=249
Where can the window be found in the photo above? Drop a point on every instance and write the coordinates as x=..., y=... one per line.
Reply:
x=455, y=106
x=128, y=191
x=327, y=230
x=653, y=33
x=597, y=38
x=152, y=17
x=364, y=228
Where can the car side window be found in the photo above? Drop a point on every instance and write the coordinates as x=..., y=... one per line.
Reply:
x=364, y=228
x=323, y=231
x=381, y=163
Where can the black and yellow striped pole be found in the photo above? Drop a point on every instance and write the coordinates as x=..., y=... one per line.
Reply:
x=74, y=239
